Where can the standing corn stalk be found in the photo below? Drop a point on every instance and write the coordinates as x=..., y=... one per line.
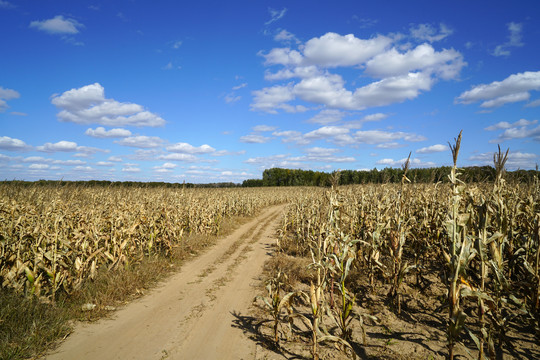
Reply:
x=460, y=254
x=398, y=237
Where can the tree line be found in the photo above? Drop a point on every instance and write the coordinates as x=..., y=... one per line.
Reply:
x=297, y=177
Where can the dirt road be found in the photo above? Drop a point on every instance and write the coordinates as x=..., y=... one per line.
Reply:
x=194, y=314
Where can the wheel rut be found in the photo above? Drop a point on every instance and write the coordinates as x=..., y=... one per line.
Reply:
x=191, y=314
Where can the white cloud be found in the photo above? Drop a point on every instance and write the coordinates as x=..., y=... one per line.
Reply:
x=11, y=144
x=520, y=129
x=83, y=168
x=375, y=117
x=141, y=141
x=379, y=136
x=326, y=132
x=331, y=49
x=414, y=163
x=115, y=158
x=228, y=153
x=88, y=105
x=327, y=116
x=232, y=98
x=238, y=87
x=268, y=99
x=185, y=148
x=446, y=63
x=534, y=103
x=286, y=37
x=264, y=128
x=516, y=160
x=38, y=166
x=432, y=149
x=282, y=56
x=6, y=94
x=101, y=133
x=131, y=169
x=301, y=72
x=390, y=145
x=69, y=162
x=403, y=75
x=62, y=146
x=318, y=151
x=178, y=157
x=58, y=25
x=514, y=88
x=426, y=32
x=289, y=136
x=105, y=163
x=514, y=40
x=36, y=159
x=254, y=139
x=275, y=15
x=165, y=168
x=506, y=125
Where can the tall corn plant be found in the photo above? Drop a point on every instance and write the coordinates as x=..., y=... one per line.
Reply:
x=398, y=236
x=458, y=253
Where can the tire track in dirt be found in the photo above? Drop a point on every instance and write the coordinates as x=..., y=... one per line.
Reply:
x=190, y=315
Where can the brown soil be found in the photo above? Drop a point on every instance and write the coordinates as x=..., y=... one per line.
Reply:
x=194, y=314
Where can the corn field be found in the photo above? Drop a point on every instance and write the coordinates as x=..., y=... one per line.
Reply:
x=481, y=240
x=54, y=238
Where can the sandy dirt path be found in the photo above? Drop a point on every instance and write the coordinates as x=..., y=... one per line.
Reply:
x=193, y=315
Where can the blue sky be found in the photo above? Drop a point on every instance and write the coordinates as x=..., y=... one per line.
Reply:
x=214, y=91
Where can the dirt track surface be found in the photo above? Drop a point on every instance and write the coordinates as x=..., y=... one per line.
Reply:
x=194, y=314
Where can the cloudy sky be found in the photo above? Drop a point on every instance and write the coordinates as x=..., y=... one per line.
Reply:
x=213, y=91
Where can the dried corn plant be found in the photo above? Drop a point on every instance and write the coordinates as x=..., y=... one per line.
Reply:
x=53, y=238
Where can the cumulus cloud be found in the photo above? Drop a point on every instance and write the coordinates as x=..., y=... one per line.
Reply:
x=414, y=163
x=400, y=75
x=141, y=141
x=101, y=133
x=514, y=40
x=165, y=168
x=88, y=105
x=131, y=169
x=254, y=139
x=5, y=95
x=105, y=163
x=11, y=144
x=521, y=129
x=264, y=128
x=445, y=63
x=506, y=125
x=185, y=148
x=61, y=146
x=379, y=136
x=58, y=25
x=516, y=160
x=327, y=116
x=332, y=50
x=38, y=166
x=432, y=149
x=514, y=88
x=178, y=157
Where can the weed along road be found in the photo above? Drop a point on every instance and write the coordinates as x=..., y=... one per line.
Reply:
x=191, y=315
